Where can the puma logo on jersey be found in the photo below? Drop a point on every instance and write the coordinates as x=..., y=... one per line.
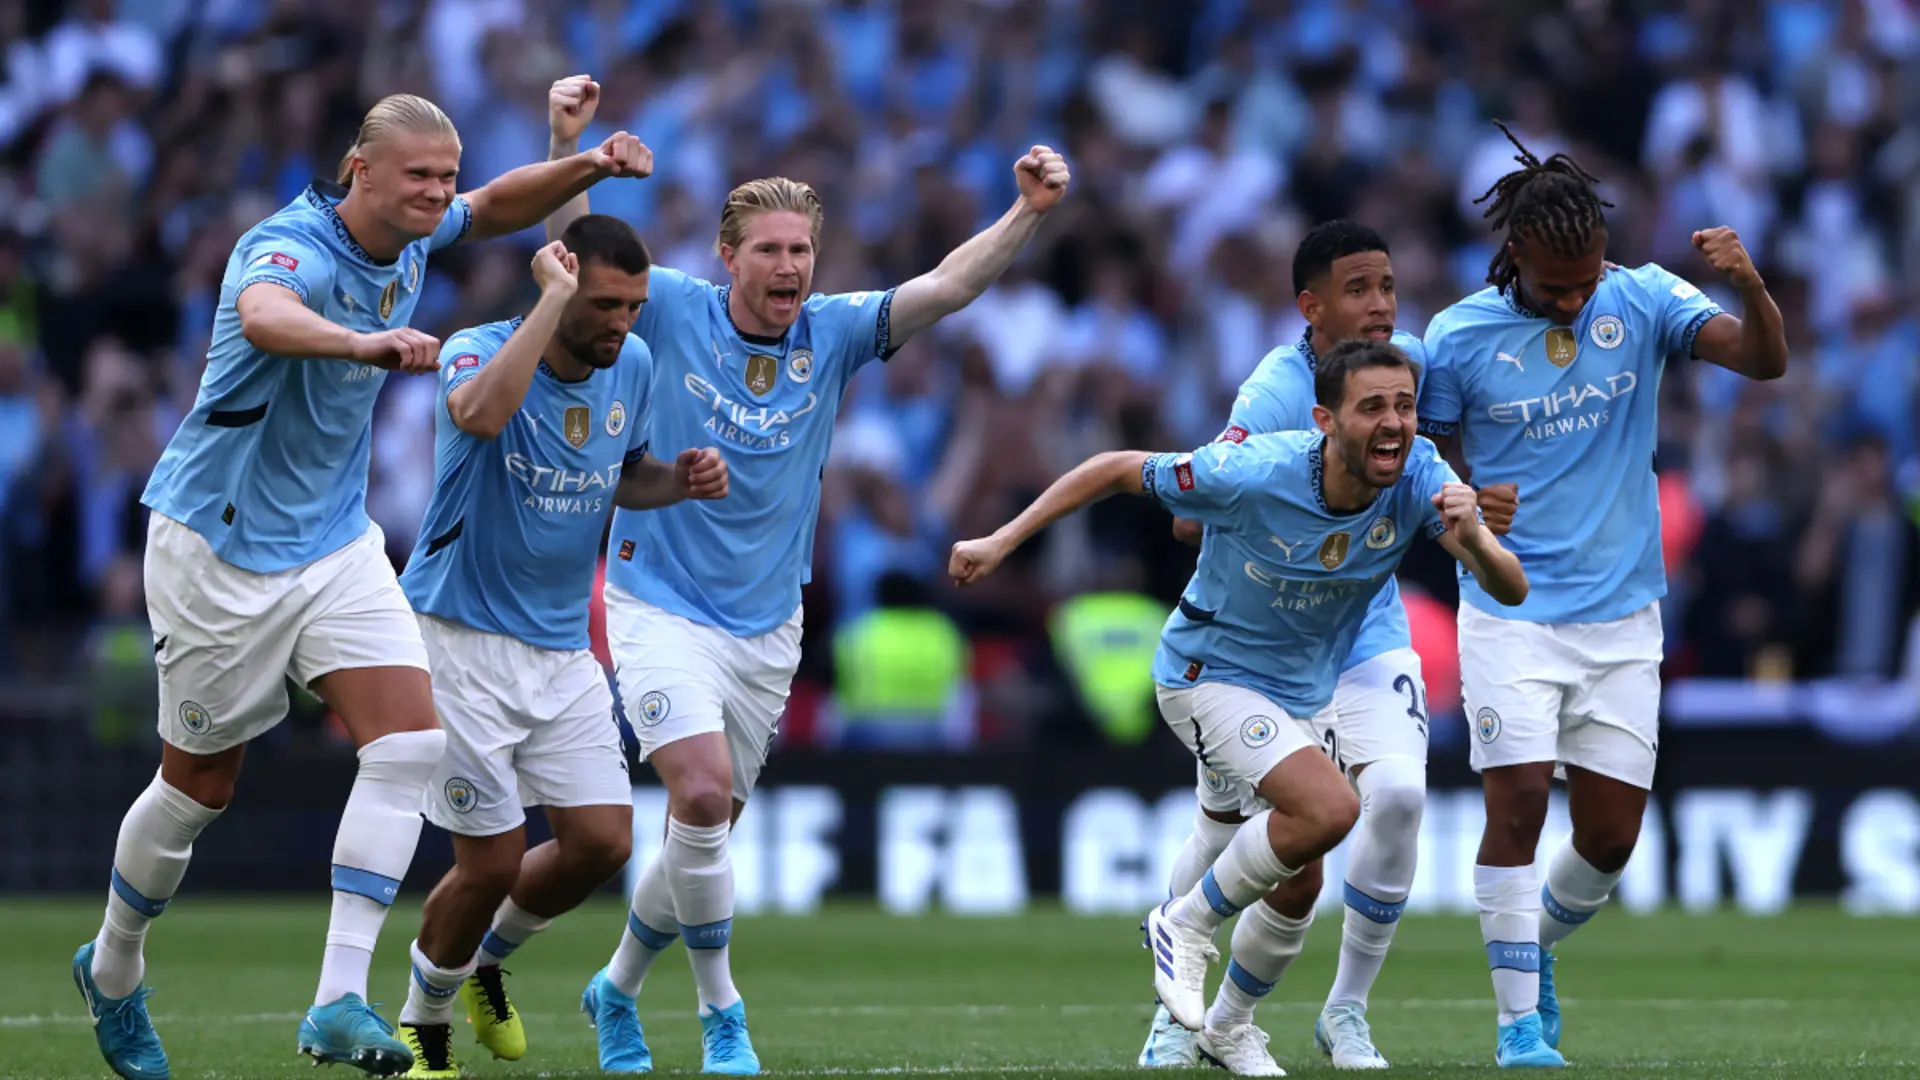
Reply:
x=1511, y=359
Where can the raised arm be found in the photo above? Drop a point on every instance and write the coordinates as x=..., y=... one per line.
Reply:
x=274, y=320
x=969, y=269
x=571, y=103
x=1755, y=344
x=482, y=405
x=1092, y=480
x=1496, y=569
x=527, y=195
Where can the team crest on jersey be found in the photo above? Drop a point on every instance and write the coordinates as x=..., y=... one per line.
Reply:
x=760, y=373
x=616, y=419
x=413, y=273
x=1562, y=346
x=1607, y=331
x=1258, y=731
x=195, y=717
x=577, y=425
x=1333, y=550
x=387, y=296
x=654, y=707
x=1487, y=723
x=1382, y=534
x=461, y=794
x=800, y=365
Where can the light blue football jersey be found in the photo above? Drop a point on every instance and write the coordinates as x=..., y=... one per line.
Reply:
x=271, y=465
x=511, y=539
x=769, y=405
x=1570, y=414
x=1284, y=583
x=1279, y=396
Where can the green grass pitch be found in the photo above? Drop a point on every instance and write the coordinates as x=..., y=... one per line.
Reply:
x=852, y=991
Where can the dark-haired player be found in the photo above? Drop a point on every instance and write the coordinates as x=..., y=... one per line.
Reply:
x=1549, y=377
x=1377, y=729
x=1248, y=662
x=542, y=432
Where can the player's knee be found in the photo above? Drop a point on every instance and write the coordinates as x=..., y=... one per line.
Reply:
x=489, y=871
x=1518, y=814
x=404, y=757
x=1395, y=811
x=1333, y=817
x=599, y=854
x=1607, y=850
x=702, y=799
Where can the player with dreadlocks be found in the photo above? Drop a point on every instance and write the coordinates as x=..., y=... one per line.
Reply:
x=1549, y=379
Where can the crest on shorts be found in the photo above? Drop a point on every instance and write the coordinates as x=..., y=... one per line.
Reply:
x=760, y=373
x=577, y=424
x=1333, y=550
x=195, y=717
x=387, y=296
x=1487, y=723
x=461, y=794
x=654, y=707
x=1215, y=782
x=1607, y=331
x=616, y=420
x=800, y=365
x=1382, y=534
x=1562, y=346
x=1258, y=731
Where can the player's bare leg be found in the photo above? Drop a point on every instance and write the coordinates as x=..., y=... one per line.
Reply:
x=1312, y=810
x=389, y=713
x=452, y=924
x=1509, y=901
x=1581, y=876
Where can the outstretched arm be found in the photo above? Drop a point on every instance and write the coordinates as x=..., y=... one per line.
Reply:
x=1092, y=480
x=1755, y=344
x=1496, y=569
x=969, y=269
x=524, y=197
x=274, y=320
x=571, y=103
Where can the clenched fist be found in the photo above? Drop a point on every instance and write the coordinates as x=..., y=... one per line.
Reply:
x=1043, y=177
x=570, y=106
x=1459, y=508
x=625, y=155
x=974, y=559
x=701, y=474
x=1728, y=256
x=402, y=349
x=555, y=269
x=1498, y=503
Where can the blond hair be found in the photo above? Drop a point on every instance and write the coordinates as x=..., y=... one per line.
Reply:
x=393, y=113
x=766, y=195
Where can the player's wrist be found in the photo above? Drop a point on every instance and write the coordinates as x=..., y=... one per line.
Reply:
x=560, y=149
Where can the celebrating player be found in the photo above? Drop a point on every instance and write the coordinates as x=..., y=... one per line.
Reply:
x=703, y=599
x=262, y=564
x=1550, y=377
x=544, y=426
x=1303, y=529
x=1343, y=278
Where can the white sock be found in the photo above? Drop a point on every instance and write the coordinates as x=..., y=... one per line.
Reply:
x=651, y=930
x=1573, y=892
x=1246, y=871
x=371, y=852
x=1265, y=944
x=699, y=872
x=1509, y=903
x=1204, y=844
x=149, y=859
x=1393, y=794
x=432, y=990
x=512, y=926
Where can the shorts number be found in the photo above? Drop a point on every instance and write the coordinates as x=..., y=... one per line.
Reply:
x=1332, y=739
x=1415, y=707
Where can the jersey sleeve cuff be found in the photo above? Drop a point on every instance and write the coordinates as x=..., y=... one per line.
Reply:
x=635, y=455
x=1433, y=529
x=275, y=276
x=1692, y=331
x=1442, y=428
x=1149, y=476
x=883, y=346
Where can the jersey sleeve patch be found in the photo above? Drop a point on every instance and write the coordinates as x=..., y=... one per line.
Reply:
x=470, y=360
x=1234, y=434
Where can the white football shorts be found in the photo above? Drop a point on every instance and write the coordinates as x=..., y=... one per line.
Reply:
x=526, y=726
x=1379, y=711
x=226, y=639
x=1237, y=736
x=679, y=678
x=1580, y=694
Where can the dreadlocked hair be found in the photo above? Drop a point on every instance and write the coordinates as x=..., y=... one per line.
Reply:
x=1554, y=202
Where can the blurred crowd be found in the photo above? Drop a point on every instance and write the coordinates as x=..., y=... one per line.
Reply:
x=139, y=138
